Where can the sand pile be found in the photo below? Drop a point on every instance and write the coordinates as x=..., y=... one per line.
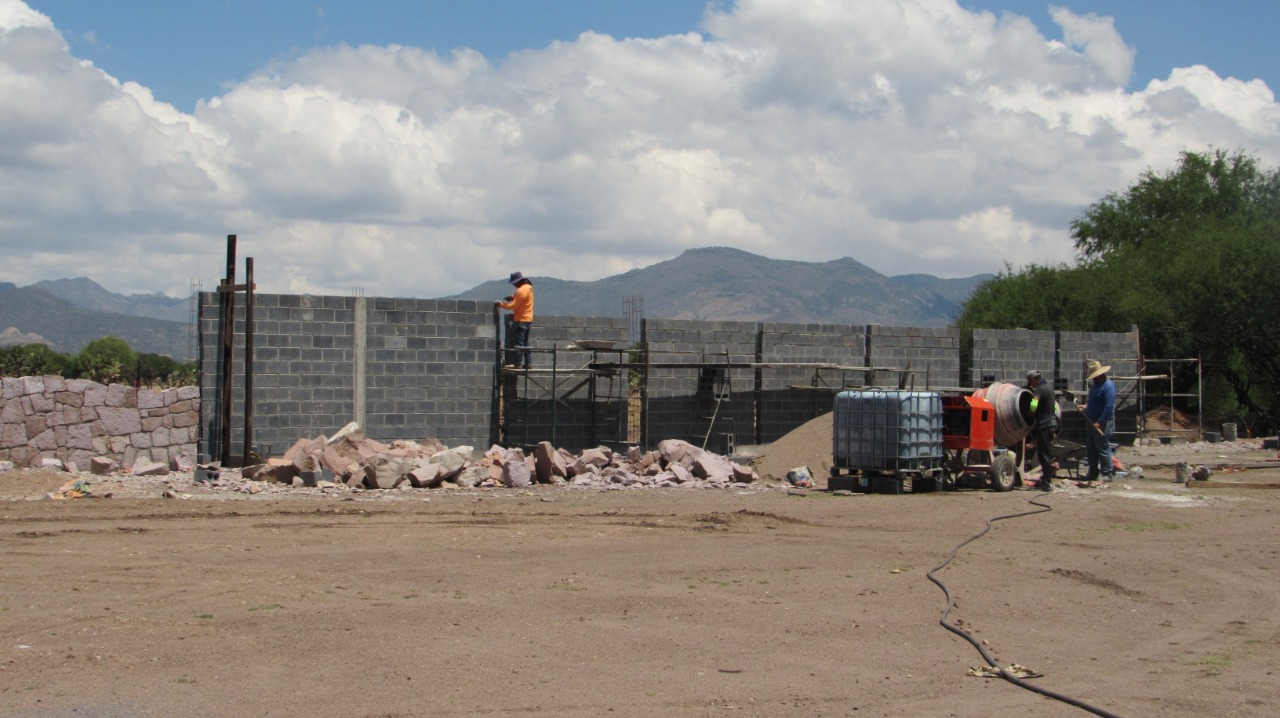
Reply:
x=808, y=445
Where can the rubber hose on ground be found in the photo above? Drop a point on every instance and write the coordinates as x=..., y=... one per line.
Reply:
x=986, y=655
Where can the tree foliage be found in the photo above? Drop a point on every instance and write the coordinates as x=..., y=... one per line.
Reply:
x=1189, y=256
x=1220, y=187
x=105, y=360
x=33, y=360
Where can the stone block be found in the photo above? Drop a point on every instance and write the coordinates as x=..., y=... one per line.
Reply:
x=80, y=436
x=12, y=411
x=119, y=421
x=148, y=399
x=103, y=465
x=12, y=435
x=147, y=467
x=44, y=441
x=95, y=394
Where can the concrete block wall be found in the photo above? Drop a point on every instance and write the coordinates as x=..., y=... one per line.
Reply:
x=789, y=397
x=429, y=370
x=1120, y=352
x=933, y=354
x=426, y=368
x=675, y=409
x=402, y=368
x=1008, y=354
x=588, y=409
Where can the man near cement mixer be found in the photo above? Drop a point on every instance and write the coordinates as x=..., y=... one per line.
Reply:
x=1044, y=426
x=1100, y=412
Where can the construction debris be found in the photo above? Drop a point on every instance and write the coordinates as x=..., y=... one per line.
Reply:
x=1014, y=669
x=350, y=459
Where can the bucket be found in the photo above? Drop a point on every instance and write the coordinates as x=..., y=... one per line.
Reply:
x=1012, y=405
x=1229, y=432
x=1181, y=473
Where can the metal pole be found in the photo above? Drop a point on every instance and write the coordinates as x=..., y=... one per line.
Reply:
x=644, y=399
x=248, y=360
x=228, y=336
x=593, y=377
x=1199, y=396
x=555, y=353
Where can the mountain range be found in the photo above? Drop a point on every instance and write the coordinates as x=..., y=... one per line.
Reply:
x=70, y=319
x=719, y=283
x=712, y=283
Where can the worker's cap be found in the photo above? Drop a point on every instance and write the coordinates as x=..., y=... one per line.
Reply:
x=516, y=278
x=1033, y=374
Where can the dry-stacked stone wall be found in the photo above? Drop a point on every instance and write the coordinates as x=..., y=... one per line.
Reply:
x=74, y=420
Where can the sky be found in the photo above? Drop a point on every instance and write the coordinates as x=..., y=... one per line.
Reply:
x=419, y=149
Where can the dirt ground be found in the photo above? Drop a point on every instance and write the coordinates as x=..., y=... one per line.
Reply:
x=1144, y=598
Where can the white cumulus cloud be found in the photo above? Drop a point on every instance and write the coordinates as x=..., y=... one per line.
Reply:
x=911, y=135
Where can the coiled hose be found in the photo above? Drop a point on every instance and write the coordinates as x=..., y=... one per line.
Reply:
x=986, y=655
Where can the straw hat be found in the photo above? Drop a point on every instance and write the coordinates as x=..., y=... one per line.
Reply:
x=1095, y=369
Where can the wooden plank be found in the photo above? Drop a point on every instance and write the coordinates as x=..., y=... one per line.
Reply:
x=1233, y=484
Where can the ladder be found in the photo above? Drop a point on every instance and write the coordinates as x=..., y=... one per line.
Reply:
x=715, y=390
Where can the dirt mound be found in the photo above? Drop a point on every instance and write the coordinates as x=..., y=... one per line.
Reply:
x=807, y=445
x=1167, y=421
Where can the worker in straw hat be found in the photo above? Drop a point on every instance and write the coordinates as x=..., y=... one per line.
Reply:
x=1100, y=411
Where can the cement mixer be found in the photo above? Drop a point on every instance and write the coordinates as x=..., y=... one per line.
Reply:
x=1014, y=414
x=977, y=431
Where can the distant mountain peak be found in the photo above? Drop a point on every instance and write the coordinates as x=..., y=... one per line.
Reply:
x=723, y=283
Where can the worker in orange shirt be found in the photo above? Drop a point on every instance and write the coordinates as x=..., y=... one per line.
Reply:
x=520, y=305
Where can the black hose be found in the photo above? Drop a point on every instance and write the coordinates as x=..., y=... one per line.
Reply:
x=991, y=661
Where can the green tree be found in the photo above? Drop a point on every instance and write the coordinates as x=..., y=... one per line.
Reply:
x=153, y=369
x=107, y=360
x=1191, y=257
x=160, y=370
x=1057, y=298
x=33, y=360
x=1229, y=188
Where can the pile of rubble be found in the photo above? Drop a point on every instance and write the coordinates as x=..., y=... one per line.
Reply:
x=349, y=458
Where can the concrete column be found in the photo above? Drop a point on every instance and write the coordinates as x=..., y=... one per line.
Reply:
x=360, y=341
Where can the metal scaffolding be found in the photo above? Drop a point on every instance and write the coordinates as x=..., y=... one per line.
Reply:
x=1144, y=394
x=615, y=384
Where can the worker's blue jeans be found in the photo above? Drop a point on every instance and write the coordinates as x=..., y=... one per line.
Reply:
x=520, y=341
x=1098, y=450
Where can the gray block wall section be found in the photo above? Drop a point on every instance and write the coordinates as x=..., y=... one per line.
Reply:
x=425, y=368
x=1008, y=354
x=560, y=401
x=676, y=409
x=1120, y=352
x=789, y=397
x=402, y=368
x=933, y=354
